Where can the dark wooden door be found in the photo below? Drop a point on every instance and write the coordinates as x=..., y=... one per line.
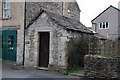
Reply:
x=44, y=38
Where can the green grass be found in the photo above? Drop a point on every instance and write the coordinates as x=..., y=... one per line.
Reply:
x=118, y=58
x=74, y=70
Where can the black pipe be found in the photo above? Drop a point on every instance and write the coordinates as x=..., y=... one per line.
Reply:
x=24, y=33
x=62, y=8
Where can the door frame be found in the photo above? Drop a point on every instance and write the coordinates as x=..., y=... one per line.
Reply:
x=36, y=45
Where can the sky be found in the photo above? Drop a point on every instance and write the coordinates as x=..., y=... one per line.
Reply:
x=92, y=8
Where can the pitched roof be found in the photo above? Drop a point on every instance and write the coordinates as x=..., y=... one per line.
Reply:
x=105, y=10
x=99, y=36
x=65, y=22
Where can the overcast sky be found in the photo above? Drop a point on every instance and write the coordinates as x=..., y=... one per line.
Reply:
x=91, y=8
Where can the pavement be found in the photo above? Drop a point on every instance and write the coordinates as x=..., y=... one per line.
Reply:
x=11, y=72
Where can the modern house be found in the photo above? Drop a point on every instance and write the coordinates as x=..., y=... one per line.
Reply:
x=35, y=33
x=107, y=23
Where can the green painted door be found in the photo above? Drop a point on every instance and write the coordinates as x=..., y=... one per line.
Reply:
x=0, y=44
x=9, y=45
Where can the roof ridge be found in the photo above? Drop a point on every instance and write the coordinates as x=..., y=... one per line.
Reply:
x=115, y=7
x=104, y=11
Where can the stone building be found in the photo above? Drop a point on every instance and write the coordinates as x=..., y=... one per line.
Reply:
x=49, y=25
x=41, y=30
x=46, y=37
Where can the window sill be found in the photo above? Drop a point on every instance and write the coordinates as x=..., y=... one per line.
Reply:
x=6, y=18
x=103, y=28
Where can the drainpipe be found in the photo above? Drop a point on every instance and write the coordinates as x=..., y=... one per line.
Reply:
x=24, y=33
x=62, y=8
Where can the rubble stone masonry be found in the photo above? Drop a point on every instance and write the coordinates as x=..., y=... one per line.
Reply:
x=101, y=67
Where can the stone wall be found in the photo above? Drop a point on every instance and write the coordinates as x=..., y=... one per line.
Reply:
x=100, y=67
x=33, y=9
x=57, y=53
x=71, y=10
x=58, y=39
x=68, y=9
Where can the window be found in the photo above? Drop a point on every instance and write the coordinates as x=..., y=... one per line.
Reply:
x=10, y=42
x=100, y=25
x=103, y=25
x=106, y=24
x=6, y=9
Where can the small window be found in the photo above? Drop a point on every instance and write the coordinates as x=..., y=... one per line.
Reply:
x=103, y=25
x=106, y=24
x=6, y=9
x=100, y=24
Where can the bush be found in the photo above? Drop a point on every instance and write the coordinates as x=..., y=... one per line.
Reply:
x=77, y=48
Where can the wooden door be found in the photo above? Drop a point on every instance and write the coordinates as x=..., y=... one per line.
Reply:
x=9, y=45
x=44, y=38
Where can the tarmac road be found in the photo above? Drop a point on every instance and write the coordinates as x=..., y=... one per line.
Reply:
x=11, y=73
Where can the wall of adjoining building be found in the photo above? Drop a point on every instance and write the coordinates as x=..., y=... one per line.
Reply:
x=16, y=22
x=0, y=9
x=68, y=9
x=71, y=10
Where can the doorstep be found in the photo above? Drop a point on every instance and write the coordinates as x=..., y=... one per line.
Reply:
x=43, y=68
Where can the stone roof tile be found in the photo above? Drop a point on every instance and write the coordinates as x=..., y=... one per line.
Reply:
x=66, y=23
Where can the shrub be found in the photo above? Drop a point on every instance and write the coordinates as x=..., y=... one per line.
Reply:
x=77, y=48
